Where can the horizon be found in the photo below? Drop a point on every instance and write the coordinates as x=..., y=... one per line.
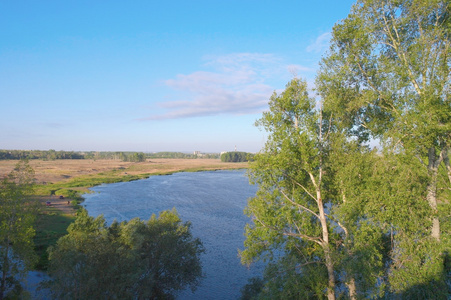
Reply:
x=152, y=76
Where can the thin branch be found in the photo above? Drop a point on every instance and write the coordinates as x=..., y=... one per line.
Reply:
x=339, y=224
x=304, y=236
x=312, y=178
x=297, y=204
x=288, y=233
x=328, y=130
x=447, y=164
x=305, y=189
x=400, y=53
x=421, y=160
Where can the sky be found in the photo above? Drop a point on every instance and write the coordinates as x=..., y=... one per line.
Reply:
x=152, y=75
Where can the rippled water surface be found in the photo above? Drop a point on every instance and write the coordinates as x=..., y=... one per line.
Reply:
x=212, y=201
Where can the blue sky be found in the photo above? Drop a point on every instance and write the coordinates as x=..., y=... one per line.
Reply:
x=152, y=75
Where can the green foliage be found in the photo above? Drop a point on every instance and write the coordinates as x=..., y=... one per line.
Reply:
x=387, y=76
x=236, y=156
x=251, y=290
x=335, y=219
x=39, y=154
x=170, y=155
x=51, y=225
x=135, y=259
x=293, y=226
x=17, y=214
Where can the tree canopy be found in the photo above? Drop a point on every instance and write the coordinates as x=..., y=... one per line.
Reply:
x=236, y=156
x=335, y=218
x=137, y=259
x=17, y=213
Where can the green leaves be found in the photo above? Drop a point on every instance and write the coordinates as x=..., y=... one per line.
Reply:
x=135, y=259
x=378, y=221
x=387, y=76
x=17, y=213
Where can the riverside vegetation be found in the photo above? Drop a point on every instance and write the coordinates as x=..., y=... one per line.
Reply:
x=333, y=217
x=23, y=214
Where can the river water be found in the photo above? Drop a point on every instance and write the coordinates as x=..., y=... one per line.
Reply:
x=213, y=201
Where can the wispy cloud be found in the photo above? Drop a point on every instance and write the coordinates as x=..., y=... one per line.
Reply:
x=320, y=44
x=234, y=84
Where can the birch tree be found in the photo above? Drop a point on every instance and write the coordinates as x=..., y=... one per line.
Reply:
x=387, y=76
x=296, y=220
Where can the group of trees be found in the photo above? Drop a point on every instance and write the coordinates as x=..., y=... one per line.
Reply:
x=236, y=156
x=334, y=217
x=166, y=154
x=118, y=155
x=128, y=260
x=17, y=215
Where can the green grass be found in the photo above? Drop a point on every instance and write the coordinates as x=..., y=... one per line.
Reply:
x=70, y=188
x=51, y=224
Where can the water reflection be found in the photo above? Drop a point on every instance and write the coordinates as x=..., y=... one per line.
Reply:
x=212, y=201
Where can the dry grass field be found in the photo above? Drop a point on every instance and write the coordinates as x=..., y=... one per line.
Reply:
x=61, y=170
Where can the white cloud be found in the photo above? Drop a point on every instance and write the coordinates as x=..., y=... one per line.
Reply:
x=235, y=84
x=320, y=44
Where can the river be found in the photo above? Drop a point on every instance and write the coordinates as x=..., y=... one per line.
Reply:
x=213, y=201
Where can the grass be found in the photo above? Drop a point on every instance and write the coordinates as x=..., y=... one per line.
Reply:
x=51, y=224
x=73, y=187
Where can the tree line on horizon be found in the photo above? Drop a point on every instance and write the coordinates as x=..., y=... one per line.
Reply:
x=116, y=155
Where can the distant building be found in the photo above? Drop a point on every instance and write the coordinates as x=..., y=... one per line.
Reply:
x=196, y=152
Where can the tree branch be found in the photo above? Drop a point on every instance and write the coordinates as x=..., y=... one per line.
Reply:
x=297, y=204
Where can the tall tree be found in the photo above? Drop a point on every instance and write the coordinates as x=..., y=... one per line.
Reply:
x=389, y=73
x=387, y=76
x=17, y=214
x=296, y=212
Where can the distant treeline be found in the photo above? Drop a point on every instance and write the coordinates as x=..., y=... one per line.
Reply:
x=39, y=154
x=236, y=156
x=123, y=156
x=119, y=155
x=181, y=155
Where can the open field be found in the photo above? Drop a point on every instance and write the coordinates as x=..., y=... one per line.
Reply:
x=51, y=172
x=72, y=177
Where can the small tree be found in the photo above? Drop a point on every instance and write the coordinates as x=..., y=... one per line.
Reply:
x=135, y=259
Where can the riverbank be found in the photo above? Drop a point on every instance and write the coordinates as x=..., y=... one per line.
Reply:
x=63, y=170
x=72, y=178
